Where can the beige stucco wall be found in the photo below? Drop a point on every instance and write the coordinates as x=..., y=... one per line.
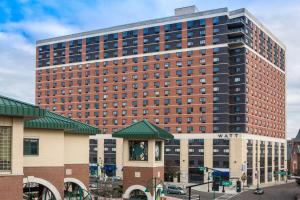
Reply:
x=17, y=144
x=76, y=149
x=184, y=160
x=208, y=155
x=51, y=148
x=237, y=156
x=119, y=157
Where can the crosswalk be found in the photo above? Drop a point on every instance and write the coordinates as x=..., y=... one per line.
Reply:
x=226, y=196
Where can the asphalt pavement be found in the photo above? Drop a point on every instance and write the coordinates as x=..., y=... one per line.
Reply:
x=278, y=192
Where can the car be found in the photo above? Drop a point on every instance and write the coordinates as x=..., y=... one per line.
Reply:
x=173, y=189
x=258, y=191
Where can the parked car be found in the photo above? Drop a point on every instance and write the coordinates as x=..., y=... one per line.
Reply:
x=258, y=191
x=173, y=189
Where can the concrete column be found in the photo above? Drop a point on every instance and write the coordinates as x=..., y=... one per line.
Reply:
x=279, y=160
x=258, y=161
x=208, y=155
x=266, y=162
x=119, y=157
x=254, y=174
x=237, y=156
x=100, y=148
x=184, y=160
x=273, y=162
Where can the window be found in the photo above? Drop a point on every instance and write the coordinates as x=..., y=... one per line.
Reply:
x=216, y=20
x=202, y=32
x=202, y=22
x=158, y=151
x=190, y=24
x=178, y=26
x=5, y=148
x=167, y=27
x=31, y=147
x=237, y=79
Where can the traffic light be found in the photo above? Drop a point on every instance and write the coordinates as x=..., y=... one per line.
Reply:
x=215, y=185
x=238, y=186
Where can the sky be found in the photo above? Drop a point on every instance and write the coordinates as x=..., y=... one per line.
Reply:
x=22, y=22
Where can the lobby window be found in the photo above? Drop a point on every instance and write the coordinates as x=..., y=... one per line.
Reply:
x=138, y=150
x=31, y=147
x=5, y=148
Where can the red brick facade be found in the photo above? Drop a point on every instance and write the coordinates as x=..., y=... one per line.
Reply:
x=145, y=179
x=54, y=175
x=11, y=187
x=80, y=172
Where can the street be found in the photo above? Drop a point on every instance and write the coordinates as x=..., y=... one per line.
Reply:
x=195, y=195
x=278, y=192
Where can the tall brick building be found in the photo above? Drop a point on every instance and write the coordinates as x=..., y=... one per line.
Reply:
x=215, y=79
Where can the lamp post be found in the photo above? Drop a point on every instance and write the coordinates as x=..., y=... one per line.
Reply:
x=157, y=181
x=208, y=173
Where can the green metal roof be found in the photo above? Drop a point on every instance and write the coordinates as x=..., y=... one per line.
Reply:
x=55, y=121
x=12, y=107
x=143, y=130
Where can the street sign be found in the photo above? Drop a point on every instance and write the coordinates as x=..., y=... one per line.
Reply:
x=201, y=169
x=226, y=183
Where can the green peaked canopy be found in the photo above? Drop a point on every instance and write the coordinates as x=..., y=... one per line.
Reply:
x=12, y=107
x=56, y=121
x=143, y=130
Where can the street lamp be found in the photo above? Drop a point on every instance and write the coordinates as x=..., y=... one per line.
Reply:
x=157, y=181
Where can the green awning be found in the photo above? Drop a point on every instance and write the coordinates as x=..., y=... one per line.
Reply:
x=55, y=121
x=143, y=130
x=12, y=107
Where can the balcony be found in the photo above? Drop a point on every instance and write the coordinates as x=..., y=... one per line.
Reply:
x=236, y=22
x=234, y=42
x=234, y=32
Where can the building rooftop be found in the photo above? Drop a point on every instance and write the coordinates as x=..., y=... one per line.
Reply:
x=297, y=138
x=12, y=107
x=55, y=121
x=185, y=13
x=36, y=117
x=143, y=130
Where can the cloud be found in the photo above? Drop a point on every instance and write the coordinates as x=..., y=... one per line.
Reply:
x=17, y=67
x=51, y=18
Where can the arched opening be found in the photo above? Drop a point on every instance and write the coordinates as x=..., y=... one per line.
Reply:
x=37, y=188
x=137, y=195
x=136, y=192
x=74, y=188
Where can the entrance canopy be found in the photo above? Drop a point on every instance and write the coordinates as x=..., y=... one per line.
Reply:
x=143, y=130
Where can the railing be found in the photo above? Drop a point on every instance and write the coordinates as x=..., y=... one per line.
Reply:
x=236, y=20
x=236, y=40
x=235, y=30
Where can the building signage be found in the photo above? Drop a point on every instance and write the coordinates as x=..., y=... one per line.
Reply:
x=228, y=135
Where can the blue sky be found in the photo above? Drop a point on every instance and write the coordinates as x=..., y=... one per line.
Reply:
x=22, y=22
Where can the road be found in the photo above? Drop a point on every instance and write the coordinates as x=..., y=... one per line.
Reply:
x=195, y=195
x=278, y=192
